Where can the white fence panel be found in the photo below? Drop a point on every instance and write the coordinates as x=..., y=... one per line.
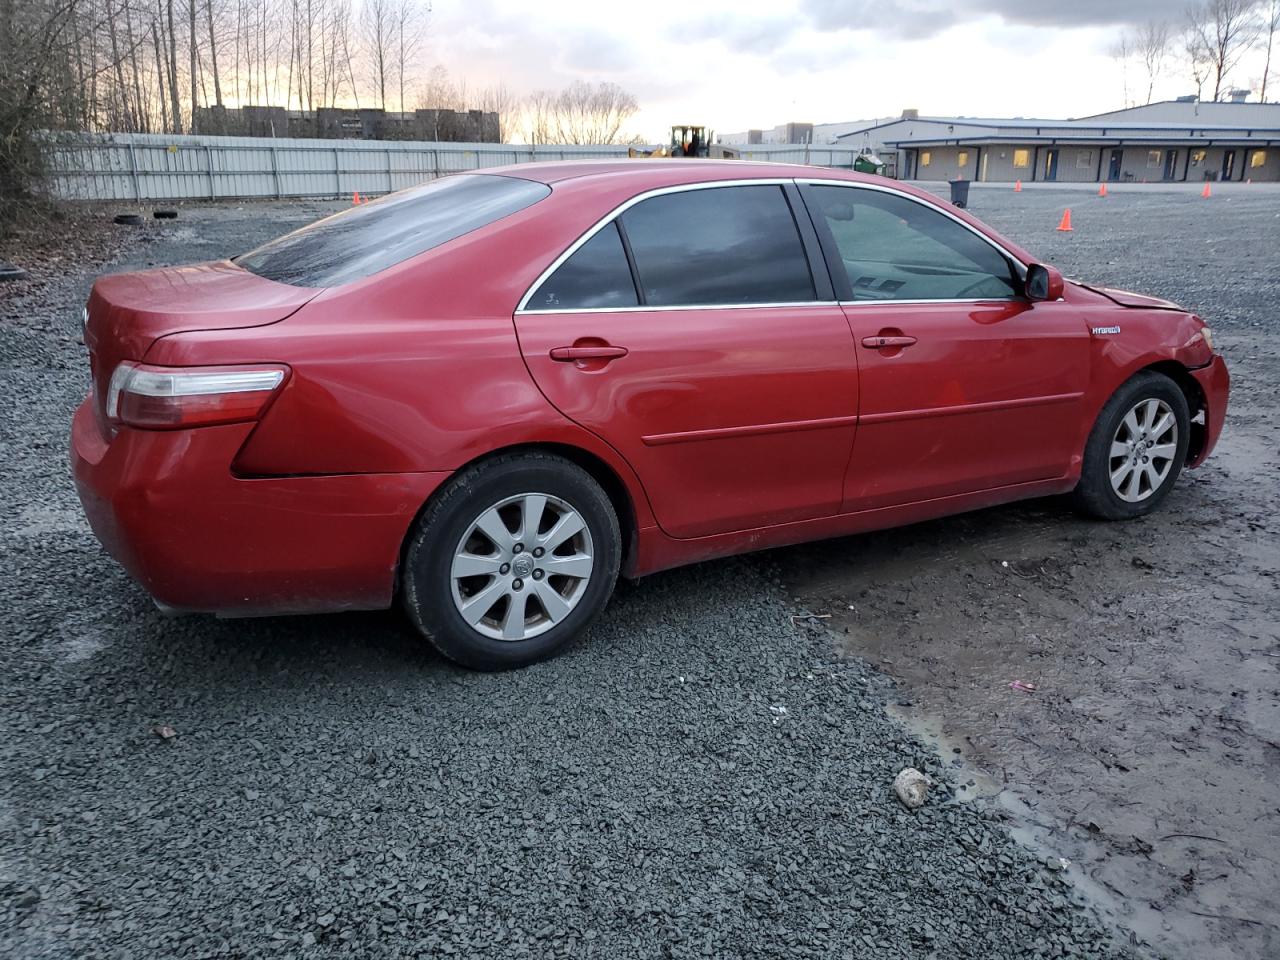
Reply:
x=146, y=167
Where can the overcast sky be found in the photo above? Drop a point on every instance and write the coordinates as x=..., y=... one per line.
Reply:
x=735, y=64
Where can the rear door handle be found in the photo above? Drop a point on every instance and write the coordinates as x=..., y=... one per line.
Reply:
x=568, y=354
x=876, y=343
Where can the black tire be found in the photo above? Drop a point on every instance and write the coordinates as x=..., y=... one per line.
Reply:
x=165, y=214
x=128, y=219
x=1095, y=495
x=427, y=582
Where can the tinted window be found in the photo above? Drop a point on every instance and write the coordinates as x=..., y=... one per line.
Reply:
x=363, y=240
x=896, y=249
x=720, y=245
x=597, y=275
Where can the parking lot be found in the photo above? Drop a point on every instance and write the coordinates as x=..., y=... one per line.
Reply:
x=705, y=774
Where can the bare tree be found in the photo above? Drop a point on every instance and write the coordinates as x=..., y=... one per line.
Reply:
x=539, y=113
x=213, y=54
x=592, y=112
x=1152, y=44
x=1270, y=25
x=500, y=100
x=1122, y=52
x=1218, y=34
x=377, y=33
x=173, y=71
x=408, y=27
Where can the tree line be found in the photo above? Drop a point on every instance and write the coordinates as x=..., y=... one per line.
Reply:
x=1207, y=44
x=148, y=65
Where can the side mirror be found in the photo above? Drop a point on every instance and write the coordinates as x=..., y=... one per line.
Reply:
x=1043, y=283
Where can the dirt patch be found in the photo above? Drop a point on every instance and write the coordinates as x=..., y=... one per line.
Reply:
x=1143, y=742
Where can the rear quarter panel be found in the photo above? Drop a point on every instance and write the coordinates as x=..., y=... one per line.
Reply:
x=415, y=369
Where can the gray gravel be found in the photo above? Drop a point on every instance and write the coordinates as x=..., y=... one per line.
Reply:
x=335, y=789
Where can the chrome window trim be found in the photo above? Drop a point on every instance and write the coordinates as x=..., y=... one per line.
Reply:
x=881, y=303
x=523, y=307
x=666, y=308
x=623, y=208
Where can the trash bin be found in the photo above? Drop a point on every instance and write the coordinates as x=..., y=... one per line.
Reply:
x=960, y=193
x=868, y=162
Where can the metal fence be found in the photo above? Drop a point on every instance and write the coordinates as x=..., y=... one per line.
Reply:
x=145, y=167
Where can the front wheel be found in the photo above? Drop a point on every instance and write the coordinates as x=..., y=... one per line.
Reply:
x=515, y=557
x=1136, y=449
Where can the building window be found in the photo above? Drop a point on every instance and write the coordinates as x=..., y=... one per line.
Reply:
x=1259, y=159
x=1153, y=158
x=1084, y=158
x=1022, y=158
x=925, y=157
x=1197, y=157
x=963, y=158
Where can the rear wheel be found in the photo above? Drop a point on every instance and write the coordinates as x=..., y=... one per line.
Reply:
x=515, y=557
x=1136, y=449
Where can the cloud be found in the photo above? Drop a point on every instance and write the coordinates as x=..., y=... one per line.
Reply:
x=741, y=34
x=920, y=19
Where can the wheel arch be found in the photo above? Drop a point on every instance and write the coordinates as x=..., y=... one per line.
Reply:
x=1181, y=376
x=615, y=488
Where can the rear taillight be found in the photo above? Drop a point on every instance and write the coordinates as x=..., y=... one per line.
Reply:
x=173, y=398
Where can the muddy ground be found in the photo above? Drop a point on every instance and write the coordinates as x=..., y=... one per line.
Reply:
x=1149, y=752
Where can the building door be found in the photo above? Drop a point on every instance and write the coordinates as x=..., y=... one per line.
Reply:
x=1051, y=164
x=1113, y=167
x=1228, y=164
x=1170, y=164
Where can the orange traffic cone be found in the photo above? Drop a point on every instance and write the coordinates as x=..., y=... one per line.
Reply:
x=1017, y=186
x=1065, y=225
x=1102, y=190
x=1206, y=192
x=355, y=199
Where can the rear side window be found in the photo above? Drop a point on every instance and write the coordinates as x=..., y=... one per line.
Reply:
x=359, y=242
x=596, y=275
x=722, y=245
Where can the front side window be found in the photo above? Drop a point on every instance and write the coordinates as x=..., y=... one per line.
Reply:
x=1084, y=158
x=1259, y=159
x=596, y=275
x=1022, y=158
x=925, y=158
x=363, y=240
x=894, y=248
x=721, y=245
x=1153, y=158
x=962, y=159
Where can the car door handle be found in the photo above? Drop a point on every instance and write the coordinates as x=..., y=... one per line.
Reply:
x=603, y=352
x=877, y=343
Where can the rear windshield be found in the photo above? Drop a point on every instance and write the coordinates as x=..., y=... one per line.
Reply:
x=359, y=242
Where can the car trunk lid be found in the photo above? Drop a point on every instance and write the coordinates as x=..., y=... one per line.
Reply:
x=128, y=312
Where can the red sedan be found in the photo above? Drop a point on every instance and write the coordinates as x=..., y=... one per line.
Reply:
x=489, y=396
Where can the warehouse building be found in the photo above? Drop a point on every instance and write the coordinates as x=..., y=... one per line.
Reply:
x=1179, y=140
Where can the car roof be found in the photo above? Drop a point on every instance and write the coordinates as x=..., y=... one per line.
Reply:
x=661, y=171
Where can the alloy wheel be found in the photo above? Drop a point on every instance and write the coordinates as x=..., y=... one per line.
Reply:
x=522, y=566
x=1143, y=450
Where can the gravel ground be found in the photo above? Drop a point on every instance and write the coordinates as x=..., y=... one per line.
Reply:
x=700, y=776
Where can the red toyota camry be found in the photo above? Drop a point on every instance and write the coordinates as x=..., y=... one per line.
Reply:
x=489, y=396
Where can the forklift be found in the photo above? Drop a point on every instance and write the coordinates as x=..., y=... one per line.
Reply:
x=689, y=140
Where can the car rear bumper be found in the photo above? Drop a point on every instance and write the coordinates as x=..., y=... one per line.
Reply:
x=1215, y=383
x=166, y=505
